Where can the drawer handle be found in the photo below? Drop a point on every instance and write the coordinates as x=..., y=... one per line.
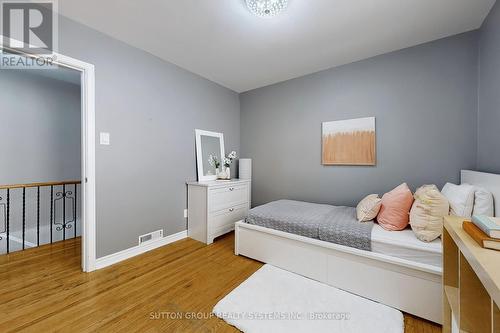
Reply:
x=231, y=209
x=231, y=189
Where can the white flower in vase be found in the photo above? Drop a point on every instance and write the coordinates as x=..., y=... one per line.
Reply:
x=227, y=161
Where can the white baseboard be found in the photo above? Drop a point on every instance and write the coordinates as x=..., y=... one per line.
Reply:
x=139, y=249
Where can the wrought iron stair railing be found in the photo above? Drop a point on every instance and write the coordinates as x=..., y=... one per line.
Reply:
x=61, y=196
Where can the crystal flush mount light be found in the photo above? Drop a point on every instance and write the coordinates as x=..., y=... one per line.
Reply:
x=266, y=8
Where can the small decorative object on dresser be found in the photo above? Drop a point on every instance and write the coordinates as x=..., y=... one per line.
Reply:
x=225, y=174
x=245, y=168
x=209, y=154
x=214, y=207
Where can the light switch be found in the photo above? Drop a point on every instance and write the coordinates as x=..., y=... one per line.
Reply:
x=104, y=138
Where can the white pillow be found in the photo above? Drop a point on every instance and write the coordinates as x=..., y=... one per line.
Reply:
x=461, y=198
x=483, y=202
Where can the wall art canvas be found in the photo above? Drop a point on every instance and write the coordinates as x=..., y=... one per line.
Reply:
x=349, y=142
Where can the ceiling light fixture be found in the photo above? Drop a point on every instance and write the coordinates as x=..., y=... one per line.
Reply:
x=266, y=8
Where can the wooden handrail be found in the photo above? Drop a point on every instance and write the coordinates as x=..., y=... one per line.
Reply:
x=69, y=182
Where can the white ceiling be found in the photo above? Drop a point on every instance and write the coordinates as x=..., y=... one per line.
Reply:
x=222, y=41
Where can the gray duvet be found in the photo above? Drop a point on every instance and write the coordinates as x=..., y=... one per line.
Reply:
x=335, y=224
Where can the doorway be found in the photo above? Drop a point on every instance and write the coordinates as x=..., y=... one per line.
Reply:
x=40, y=173
x=72, y=201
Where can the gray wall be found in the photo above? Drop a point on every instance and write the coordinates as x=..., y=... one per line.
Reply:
x=40, y=128
x=151, y=108
x=488, y=157
x=424, y=99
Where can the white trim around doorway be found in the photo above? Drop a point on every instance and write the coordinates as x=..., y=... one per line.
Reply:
x=88, y=151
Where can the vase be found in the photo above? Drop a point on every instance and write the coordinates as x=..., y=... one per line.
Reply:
x=228, y=172
x=221, y=174
x=217, y=171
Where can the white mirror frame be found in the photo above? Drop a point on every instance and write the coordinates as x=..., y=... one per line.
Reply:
x=199, y=153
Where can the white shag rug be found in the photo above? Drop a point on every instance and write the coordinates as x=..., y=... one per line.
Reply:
x=274, y=300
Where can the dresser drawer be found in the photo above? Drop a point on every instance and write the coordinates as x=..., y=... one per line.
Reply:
x=214, y=207
x=227, y=197
x=227, y=217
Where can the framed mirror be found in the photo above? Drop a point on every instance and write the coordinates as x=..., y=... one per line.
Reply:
x=209, y=154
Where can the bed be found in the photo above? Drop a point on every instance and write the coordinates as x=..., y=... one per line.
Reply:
x=338, y=224
x=397, y=270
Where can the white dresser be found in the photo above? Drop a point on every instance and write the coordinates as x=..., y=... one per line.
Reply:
x=214, y=207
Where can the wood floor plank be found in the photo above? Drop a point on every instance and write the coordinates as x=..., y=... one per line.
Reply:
x=170, y=289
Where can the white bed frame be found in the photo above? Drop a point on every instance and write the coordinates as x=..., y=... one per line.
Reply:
x=409, y=286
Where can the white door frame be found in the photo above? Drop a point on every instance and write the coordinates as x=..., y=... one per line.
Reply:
x=88, y=214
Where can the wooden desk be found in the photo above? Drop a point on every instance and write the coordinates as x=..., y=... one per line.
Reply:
x=471, y=282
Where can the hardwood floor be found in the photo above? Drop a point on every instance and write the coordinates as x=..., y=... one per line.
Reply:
x=170, y=289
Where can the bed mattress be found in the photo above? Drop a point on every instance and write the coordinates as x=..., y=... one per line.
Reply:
x=405, y=245
x=322, y=222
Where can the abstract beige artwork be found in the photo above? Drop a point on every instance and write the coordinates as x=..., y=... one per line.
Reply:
x=349, y=142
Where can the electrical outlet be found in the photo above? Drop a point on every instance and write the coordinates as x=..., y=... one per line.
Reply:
x=185, y=213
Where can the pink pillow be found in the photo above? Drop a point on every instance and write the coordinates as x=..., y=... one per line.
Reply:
x=396, y=205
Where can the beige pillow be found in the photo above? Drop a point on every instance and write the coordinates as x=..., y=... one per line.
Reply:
x=427, y=212
x=368, y=208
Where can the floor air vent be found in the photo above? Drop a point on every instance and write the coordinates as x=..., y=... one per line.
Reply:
x=150, y=237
